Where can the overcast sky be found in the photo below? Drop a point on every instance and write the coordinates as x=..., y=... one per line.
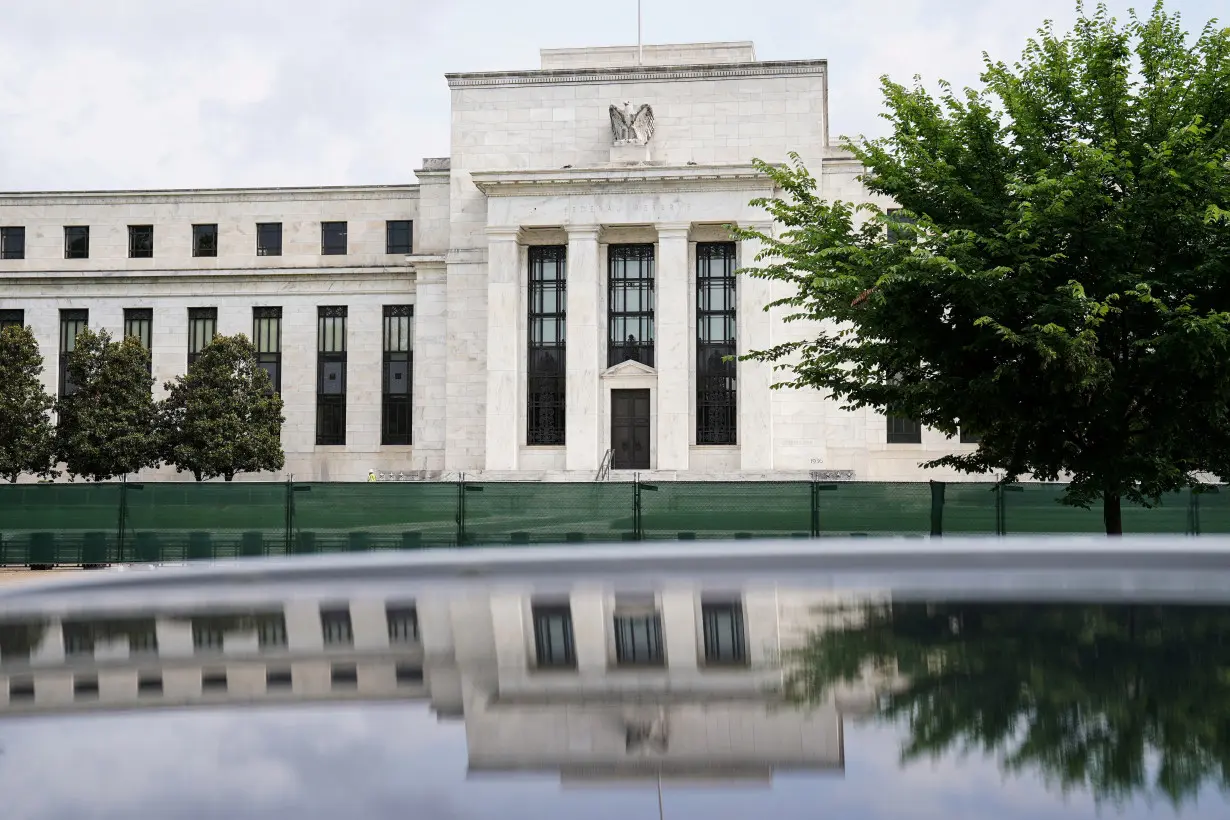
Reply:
x=100, y=94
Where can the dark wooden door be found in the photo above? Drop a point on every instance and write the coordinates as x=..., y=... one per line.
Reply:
x=630, y=429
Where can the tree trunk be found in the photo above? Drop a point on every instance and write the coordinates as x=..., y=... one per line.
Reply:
x=197, y=474
x=1112, y=513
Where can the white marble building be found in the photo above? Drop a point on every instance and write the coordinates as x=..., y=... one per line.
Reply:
x=553, y=294
x=592, y=682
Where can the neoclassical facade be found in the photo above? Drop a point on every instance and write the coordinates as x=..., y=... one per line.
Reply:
x=554, y=300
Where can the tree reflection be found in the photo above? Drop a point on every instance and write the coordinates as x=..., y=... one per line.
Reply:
x=1119, y=700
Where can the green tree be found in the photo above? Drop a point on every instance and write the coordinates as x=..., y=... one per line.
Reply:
x=1119, y=700
x=1057, y=280
x=106, y=421
x=27, y=437
x=223, y=418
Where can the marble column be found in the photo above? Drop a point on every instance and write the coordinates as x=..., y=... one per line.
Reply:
x=671, y=311
x=503, y=350
x=755, y=426
x=583, y=391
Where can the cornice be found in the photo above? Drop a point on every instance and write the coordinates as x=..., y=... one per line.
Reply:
x=630, y=179
x=640, y=74
x=171, y=196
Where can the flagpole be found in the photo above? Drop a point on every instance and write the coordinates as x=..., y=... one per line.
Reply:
x=640, y=49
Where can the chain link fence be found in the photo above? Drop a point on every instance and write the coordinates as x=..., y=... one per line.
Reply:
x=84, y=524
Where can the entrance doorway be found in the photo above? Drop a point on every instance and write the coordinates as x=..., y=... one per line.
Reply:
x=630, y=429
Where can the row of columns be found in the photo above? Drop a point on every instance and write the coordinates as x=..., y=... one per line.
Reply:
x=506, y=350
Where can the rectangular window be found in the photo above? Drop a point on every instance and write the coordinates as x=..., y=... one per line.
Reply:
x=12, y=318
x=277, y=679
x=76, y=241
x=344, y=676
x=716, y=407
x=271, y=631
x=895, y=217
x=335, y=627
x=269, y=239
x=140, y=241
x=204, y=240
x=267, y=337
x=630, y=304
x=85, y=687
x=723, y=633
x=553, y=641
x=21, y=689
x=149, y=685
x=968, y=437
x=12, y=243
x=202, y=328
x=139, y=324
x=403, y=624
x=545, y=368
x=207, y=635
x=72, y=322
x=333, y=238
x=331, y=375
x=213, y=680
x=638, y=636
x=399, y=236
x=904, y=431
x=397, y=381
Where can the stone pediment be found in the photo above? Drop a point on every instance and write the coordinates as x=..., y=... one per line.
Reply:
x=628, y=369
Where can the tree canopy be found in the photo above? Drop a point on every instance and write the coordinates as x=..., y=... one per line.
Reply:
x=27, y=437
x=222, y=418
x=106, y=420
x=1057, y=277
x=1119, y=700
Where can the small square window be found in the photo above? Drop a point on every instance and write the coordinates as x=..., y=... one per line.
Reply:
x=76, y=241
x=409, y=674
x=204, y=240
x=149, y=685
x=140, y=241
x=638, y=637
x=554, y=645
x=12, y=243
x=269, y=239
x=213, y=681
x=85, y=687
x=403, y=624
x=333, y=238
x=904, y=431
x=336, y=628
x=278, y=679
x=723, y=633
x=345, y=676
x=399, y=236
x=21, y=689
x=12, y=318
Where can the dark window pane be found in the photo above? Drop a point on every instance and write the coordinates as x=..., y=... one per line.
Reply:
x=904, y=431
x=204, y=240
x=331, y=375
x=12, y=318
x=723, y=632
x=397, y=376
x=630, y=304
x=968, y=437
x=896, y=217
x=332, y=238
x=553, y=639
x=335, y=627
x=399, y=236
x=638, y=638
x=139, y=324
x=72, y=322
x=76, y=241
x=202, y=328
x=140, y=241
x=716, y=405
x=267, y=338
x=269, y=239
x=403, y=624
x=12, y=243
x=546, y=350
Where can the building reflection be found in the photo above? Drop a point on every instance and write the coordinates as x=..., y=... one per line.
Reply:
x=594, y=684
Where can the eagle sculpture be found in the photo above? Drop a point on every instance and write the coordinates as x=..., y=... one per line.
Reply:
x=630, y=127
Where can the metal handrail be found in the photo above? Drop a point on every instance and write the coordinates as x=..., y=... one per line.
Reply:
x=604, y=469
